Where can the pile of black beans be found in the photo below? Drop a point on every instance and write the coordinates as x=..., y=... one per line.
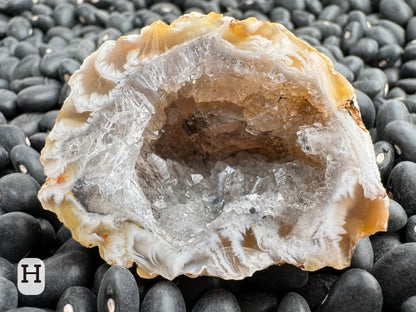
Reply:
x=42, y=42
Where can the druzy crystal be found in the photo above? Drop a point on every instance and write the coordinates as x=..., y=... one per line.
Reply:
x=213, y=146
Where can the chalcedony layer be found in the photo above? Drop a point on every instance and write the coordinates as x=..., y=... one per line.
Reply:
x=213, y=147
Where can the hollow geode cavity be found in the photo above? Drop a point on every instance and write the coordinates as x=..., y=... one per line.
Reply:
x=213, y=147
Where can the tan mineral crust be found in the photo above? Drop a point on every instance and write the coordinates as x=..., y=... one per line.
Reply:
x=213, y=146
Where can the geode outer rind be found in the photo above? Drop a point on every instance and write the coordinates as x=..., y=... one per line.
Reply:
x=213, y=147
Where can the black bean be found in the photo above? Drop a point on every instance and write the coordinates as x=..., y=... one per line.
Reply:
x=63, y=93
x=8, y=103
x=86, y=14
x=302, y=18
x=263, y=6
x=71, y=245
x=4, y=84
x=411, y=31
x=78, y=298
x=332, y=40
x=62, y=235
x=354, y=63
x=193, y=289
x=229, y=5
x=408, y=69
x=258, y=301
x=28, y=122
x=396, y=10
x=8, y=295
x=410, y=235
x=38, y=98
x=389, y=111
x=370, y=87
x=79, y=266
x=164, y=296
x=48, y=119
x=43, y=22
x=345, y=71
x=409, y=305
x=121, y=21
x=41, y=8
x=407, y=84
x=293, y=302
x=8, y=66
x=368, y=112
x=384, y=152
x=409, y=52
x=311, y=40
x=217, y=300
x=206, y=6
x=398, y=94
x=313, y=6
x=14, y=7
x=365, y=48
x=8, y=270
x=402, y=134
x=382, y=35
x=30, y=309
x=309, y=31
x=26, y=160
x=19, y=27
x=118, y=289
x=356, y=290
x=20, y=233
x=362, y=5
x=20, y=84
x=336, y=52
x=351, y=34
x=392, y=75
x=124, y=5
x=363, y=257
x=49, y=65
x=327, y=28
x=396, y=275
x=402, y=185
x=373, y=134
x=382, y=243
x=280, y=14
x=164, y=8
x=330, y=13
x=64, y=15
x=25, y=48
x=46, y=243
x=28, y=66
x=98, y=276
x=37, y=140
x=60, y=31
x=280, y=277
x=108, y=34
x=317, y=288
x=290, y=4
x=397, y=217
x=4, y=158
x=10, y=136
x=359, y=17
x=396, y=30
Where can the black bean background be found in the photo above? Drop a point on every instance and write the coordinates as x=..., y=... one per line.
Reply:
x=371, y=43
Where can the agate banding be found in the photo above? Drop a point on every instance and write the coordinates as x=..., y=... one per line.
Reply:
x=213, y=146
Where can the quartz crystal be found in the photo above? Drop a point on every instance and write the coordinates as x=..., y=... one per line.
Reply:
x=213, y=146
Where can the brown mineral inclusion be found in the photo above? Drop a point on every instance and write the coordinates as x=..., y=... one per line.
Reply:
x=213, y=146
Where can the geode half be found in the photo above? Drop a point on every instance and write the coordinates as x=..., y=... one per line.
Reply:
x=213, y=146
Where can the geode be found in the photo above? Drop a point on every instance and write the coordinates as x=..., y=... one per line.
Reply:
x=213, y=146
